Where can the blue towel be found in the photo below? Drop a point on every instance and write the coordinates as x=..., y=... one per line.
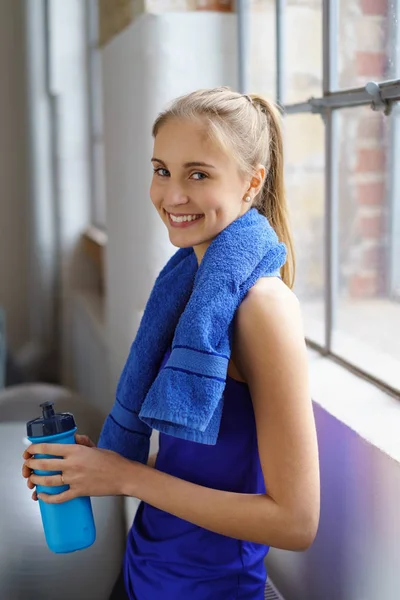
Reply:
x=190, y=308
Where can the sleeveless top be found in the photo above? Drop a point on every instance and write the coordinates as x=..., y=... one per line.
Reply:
x=168, y=558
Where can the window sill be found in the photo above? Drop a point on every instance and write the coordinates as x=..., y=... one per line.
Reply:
x=366, y=334
x=370, y=412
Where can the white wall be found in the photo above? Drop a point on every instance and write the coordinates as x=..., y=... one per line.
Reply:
x=13, y=174
x=157, y=58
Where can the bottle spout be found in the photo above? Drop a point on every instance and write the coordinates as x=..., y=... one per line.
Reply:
x=47, y=409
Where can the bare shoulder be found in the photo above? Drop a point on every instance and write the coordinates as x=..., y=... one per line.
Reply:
x=272, y=287
x=269, y=299
x=268, y=328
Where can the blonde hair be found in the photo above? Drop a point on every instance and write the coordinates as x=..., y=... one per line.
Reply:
x=248, y=127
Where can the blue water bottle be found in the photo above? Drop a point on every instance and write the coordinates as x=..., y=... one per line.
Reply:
x=68, y=526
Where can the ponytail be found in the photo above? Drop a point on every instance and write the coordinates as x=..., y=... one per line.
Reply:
x=272, y=198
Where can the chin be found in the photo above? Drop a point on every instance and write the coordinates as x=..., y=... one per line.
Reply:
x=180, y=242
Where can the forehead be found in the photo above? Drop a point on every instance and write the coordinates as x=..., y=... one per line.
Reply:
x=183, y=140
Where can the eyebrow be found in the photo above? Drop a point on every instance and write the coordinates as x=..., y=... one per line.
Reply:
x=186, y=165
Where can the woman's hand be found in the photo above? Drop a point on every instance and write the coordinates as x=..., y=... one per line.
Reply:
x=84, y=440
x=87, y=470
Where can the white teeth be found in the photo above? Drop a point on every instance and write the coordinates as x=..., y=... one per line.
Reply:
x=184, y=218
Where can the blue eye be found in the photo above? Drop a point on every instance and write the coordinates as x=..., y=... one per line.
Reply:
x=161, y=172
x=201, y=176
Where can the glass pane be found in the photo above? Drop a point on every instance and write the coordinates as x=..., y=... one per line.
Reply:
x=368, y=40
x=302, y=55
x=262, y=40
x=367, y=319
x=305, y=181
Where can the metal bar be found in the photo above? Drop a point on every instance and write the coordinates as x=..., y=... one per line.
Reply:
x=243, y=15
x=334, y=44
x=300, y=107
x=393, y=220
x=355, y=369
x=329, y=232
x=334, y=216
x=329, y=166
x=326, y=47
x=389, y=92
x=280, y=51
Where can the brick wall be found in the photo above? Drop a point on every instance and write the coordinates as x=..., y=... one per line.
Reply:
x=364, y=56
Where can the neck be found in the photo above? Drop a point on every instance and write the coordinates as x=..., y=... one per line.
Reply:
x=200, y=251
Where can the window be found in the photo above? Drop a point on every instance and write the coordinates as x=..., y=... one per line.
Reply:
x=95, y=114
x=337, y=79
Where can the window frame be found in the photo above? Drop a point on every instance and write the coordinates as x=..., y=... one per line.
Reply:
x=394, y=223
x=383, y=96
x=95, y=114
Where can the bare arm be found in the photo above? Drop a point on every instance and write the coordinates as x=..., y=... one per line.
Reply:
x=273, y=360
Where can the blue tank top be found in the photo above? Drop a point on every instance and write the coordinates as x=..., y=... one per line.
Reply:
x=168, y=558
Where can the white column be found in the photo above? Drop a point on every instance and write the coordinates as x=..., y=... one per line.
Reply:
x=155, y=59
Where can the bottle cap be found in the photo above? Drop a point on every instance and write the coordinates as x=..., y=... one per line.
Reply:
x=50, y=423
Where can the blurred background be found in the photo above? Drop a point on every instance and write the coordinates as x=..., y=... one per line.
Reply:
x=81, y=82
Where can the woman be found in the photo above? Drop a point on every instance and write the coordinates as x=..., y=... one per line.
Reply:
x=210, y=512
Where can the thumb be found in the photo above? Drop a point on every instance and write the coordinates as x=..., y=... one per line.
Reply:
x=84, y=440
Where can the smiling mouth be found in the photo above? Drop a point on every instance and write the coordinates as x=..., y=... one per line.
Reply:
x=183, y=218
x=180, y=221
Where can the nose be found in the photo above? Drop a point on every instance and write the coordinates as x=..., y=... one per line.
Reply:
x=174, y=195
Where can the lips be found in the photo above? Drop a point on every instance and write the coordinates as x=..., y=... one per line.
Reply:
x=184, y=220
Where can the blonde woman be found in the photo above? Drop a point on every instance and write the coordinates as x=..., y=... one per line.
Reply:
x=209, y=512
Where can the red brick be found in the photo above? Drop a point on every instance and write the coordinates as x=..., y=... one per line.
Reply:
x=220, y=5
x=371, y=194
x=373, y=258
x=374, y=7
x=371, y=160
x=371, y=127
x=371, y=226
x=364, y=286
x=371, y=64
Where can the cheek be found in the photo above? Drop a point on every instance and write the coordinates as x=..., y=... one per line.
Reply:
x=155, y=194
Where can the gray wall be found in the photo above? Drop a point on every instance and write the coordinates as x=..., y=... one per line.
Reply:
x=13, y=173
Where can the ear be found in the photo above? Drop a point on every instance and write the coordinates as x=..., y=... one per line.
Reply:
x=257, y=181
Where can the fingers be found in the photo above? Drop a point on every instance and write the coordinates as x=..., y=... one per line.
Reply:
x=43, y=464
x=34, y=496
x=46, y=480
x=30, y=485
x=26, y=471
x=62, y=450
x=56, y=498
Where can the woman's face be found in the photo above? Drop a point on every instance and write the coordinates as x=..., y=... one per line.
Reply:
x=196, y=188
